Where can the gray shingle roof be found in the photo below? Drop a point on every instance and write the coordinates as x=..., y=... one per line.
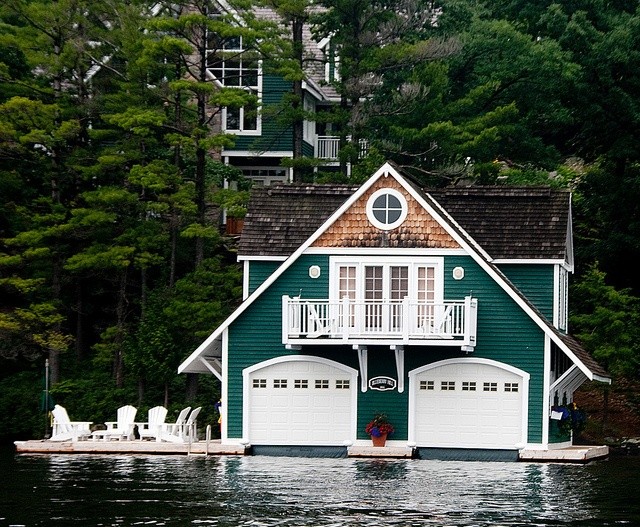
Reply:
x=507, y=222
x=280, y=218
x=511, y=222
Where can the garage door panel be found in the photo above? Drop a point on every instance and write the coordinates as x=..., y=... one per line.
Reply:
x=315, y=407
x=471, y=405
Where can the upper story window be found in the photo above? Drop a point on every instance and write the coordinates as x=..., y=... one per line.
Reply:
x=387, y=209
x=233, y=66
x=331, y=60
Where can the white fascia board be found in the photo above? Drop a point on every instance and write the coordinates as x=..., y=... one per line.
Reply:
x=323, y=43
x=377, y=251
x=245, y=280
x=261, y=258
x=253, y=153
x=529, y=261
x=569, y=257
x=313, y=89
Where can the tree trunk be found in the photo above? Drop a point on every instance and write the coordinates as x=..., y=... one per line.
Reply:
x=118, y=363
x=191, y=389
x=298, y=100
x=80, y=341
x=141, y=390
x=173, y=226
x=200, y=201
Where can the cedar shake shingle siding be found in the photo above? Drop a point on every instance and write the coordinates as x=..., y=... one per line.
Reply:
x=353, y=229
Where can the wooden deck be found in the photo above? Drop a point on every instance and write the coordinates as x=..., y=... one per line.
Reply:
x=377, y=451
x=213, y=447
x=572, y=454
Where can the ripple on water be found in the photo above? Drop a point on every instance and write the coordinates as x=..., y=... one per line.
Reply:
x=275, y=491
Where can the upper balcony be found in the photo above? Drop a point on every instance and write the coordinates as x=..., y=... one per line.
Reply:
x=386, y=322
x=328, y=147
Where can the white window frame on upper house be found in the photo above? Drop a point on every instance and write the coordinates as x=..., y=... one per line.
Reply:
x=413, y=263
x=221, y=73
x=331, y=59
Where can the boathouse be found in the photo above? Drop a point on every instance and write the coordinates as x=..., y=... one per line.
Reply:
x=444, y=309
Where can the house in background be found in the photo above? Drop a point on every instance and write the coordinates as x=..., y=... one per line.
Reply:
x=261, y=141
x=444, y=309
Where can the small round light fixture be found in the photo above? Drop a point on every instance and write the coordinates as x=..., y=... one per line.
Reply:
x=458, y=273
x=314, y=271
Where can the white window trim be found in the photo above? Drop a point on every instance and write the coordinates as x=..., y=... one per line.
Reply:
x=561, y=298
x=335, y=262
x=403, y=214
x=258, y=130
x=258, y=89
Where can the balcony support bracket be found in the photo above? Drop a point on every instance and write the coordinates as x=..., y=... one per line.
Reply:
x=363, y=362
x=399, y=351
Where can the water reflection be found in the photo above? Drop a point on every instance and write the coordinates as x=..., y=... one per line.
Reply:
x=275, y=491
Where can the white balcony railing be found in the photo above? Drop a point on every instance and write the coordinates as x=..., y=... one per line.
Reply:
x=327, y=147
x=370, y=322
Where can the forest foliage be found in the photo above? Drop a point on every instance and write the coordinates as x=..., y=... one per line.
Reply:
x=113, y=265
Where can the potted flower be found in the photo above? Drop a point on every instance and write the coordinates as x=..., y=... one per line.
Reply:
x=379, y=428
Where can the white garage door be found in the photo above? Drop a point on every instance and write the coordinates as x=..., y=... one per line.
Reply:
x=301, y=402
x=468, y=405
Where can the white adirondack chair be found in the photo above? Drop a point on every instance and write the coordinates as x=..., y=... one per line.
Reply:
x=175, y=431
x=120, y=429
x=155, y=427
x=191, y=426
x=66, y=430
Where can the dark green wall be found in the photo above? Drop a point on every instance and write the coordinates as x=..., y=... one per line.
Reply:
x=505, y=334
x=259, y=271
x=275, y=136
x=536, y=282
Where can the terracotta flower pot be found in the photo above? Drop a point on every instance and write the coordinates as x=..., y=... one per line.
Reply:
x=379, y=440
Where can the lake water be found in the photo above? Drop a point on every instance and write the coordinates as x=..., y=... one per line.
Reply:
x=261, y=491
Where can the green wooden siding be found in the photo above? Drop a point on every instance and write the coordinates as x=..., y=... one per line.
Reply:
x=307, y=149
x=536, y=282
x=257, y=334
x=505, y=334
x=275, y=137
x=259, y=271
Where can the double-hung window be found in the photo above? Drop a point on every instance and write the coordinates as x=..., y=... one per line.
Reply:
x=234, y=66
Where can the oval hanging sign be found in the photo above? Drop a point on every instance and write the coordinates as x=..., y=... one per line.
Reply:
x=382, y=384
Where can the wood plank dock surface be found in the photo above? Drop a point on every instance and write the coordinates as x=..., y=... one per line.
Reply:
x=213, y=447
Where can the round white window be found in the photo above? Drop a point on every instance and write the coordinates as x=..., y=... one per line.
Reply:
x=387, y=208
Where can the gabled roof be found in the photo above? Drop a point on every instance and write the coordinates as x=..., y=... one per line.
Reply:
x=280, y=218
x=519, y=223
x=512, y=222
x=285, y=216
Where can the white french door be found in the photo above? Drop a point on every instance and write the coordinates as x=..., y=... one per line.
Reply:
x=376, y=292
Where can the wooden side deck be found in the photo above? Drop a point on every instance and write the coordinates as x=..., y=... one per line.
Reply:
x=572, y=454
x=213, y=447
